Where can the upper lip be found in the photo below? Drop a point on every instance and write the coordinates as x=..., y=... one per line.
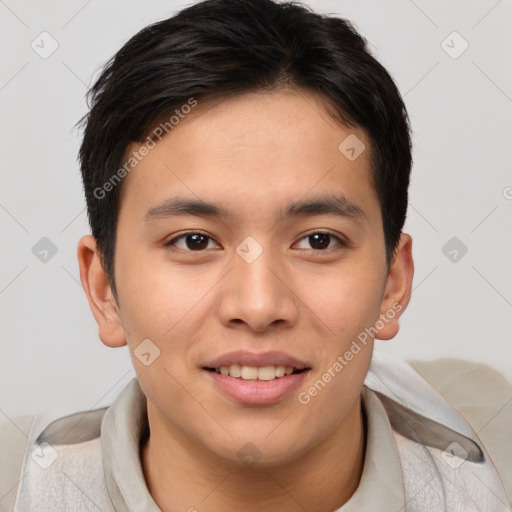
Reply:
x=242, y=357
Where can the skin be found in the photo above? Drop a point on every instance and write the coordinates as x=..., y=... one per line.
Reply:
x=252, y=153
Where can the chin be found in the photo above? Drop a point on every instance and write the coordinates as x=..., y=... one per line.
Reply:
x=256, y=450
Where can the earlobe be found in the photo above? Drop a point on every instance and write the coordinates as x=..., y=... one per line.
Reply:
x=99, y=293
x=398, y=289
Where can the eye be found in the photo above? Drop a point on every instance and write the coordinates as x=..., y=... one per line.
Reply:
x=193, y=241
x=321, y=240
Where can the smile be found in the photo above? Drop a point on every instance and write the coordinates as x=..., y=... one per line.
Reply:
x=269, y=372
x=256, y=386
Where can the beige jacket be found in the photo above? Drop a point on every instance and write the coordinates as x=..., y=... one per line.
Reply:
x=482, y=396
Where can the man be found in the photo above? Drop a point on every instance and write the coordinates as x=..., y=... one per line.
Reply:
x=246, y=166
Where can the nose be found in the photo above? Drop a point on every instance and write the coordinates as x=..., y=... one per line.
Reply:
x=258, y=295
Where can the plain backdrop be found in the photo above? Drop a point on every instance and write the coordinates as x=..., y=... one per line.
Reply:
x=460, y=104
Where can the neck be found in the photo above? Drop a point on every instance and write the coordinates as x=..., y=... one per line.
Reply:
x=322, y=479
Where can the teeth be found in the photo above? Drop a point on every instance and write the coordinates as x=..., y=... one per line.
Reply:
x=280, y=371
x=248, y=372
x=267, y=373
x=235, y=370
x=254, y=372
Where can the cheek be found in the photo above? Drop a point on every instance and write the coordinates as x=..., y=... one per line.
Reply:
x=157, y=305
x=165, y=304
x=345, y=299
x=152, y=298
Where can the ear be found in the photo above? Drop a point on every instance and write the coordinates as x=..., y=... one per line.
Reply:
x=99, y=294
x=398, y=289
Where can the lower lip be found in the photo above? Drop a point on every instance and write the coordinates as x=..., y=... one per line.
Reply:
x=258, y=392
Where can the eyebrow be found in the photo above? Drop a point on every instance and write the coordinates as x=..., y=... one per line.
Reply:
x=338, y=205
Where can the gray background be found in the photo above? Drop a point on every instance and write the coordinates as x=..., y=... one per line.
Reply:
x=51, y=358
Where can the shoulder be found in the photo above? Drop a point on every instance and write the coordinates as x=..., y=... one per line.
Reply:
x=484, y=397
x=29, y=443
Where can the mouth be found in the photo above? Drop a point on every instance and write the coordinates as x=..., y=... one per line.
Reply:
x=256, y=385
x=264, y=373
x=253, y=378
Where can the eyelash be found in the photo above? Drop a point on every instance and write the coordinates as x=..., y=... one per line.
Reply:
x=341, y=242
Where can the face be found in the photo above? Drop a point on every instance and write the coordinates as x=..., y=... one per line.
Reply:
x=289, y=265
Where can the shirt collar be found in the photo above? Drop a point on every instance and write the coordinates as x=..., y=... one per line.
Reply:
x=125, y=423
x=122, y=428
x=381, y=484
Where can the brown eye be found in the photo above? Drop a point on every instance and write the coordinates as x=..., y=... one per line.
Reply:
x=192, y=241
x=321, y=241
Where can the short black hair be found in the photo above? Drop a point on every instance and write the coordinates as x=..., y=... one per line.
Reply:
x=220, y=48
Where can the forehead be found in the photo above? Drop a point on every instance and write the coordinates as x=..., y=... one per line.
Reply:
x=258, y=148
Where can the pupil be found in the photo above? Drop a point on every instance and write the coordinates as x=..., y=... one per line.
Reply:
x=198, y=241
x=320, y=239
